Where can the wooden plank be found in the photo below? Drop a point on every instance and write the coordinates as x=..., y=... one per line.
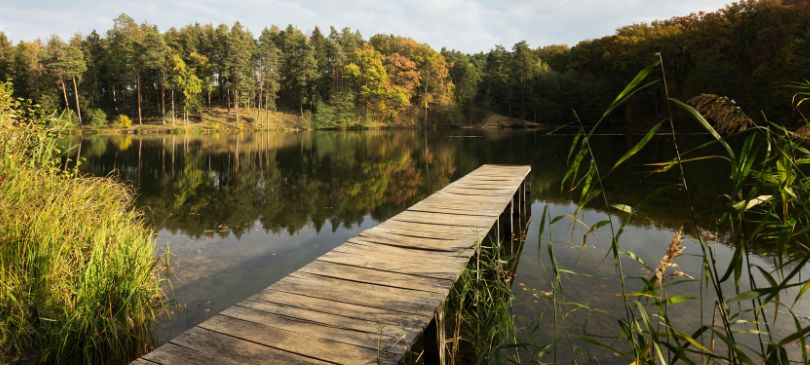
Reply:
x=431, y=208
x=412, y=268
x=378, y=277
x=379, y=315
x=307, y=328
x=454, y=202
x=367, y=300
x=142, y=362
x=389, y=227
x=405, y=249
x=414, y=298
x=217, y=345
x=439, y=231
x=390, y=338
x=444, y=218
x=313, y=347
x=346, y=293
x=333, y=320
x=171, y=354
x=394, y=239
x=399, y=254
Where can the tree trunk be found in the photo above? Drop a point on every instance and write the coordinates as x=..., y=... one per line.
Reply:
x=236, y=105
x=426, y=116
x=115, y=100
x=64, y=91
x=173, y=114
x=266, y=114
x=138, y=86
x=259, y=105
x=76, y=95
x=162, y=99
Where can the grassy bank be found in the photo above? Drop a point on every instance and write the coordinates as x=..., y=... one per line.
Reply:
x=209, y=121
x=76, y=261
x=218, y=119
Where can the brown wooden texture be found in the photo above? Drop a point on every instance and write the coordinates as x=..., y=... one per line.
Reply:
x=369, y=299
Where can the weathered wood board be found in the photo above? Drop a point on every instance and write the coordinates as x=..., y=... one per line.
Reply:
x=367, y=300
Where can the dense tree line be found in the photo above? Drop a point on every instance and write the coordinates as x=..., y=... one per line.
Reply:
x=749, y=51
x=135, y=69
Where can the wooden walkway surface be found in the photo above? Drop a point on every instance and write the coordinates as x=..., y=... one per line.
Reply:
x=368, y=300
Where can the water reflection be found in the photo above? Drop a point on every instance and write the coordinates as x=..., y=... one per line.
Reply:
x=240, y=211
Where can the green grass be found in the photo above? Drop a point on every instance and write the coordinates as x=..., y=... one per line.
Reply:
x=77, y=263
x=216, y=119
x=480, y=326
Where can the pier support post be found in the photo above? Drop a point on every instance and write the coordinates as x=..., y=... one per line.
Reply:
x=433, y=339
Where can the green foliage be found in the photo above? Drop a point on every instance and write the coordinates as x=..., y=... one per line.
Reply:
x=188, y=83
x=480, y=320
x=299, y=68
x=747, y=51
x=133, y=66
x=97, y=118
x=764, y=204
x=8, y=110
x=77, y=261
x=325, y=117
x=123, y=121
x=340, y=113
x=377, y=94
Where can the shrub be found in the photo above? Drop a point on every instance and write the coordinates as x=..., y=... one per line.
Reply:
x=324, y=116
x=97, y=118
x=123, y=121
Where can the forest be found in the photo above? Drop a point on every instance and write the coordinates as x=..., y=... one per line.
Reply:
x=749, y=51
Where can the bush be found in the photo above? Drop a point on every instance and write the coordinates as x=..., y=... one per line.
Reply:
x=340, y=113
x=97, y=118
x=324, y=116
x=123, y=121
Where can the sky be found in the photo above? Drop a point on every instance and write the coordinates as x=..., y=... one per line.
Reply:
x=466, y=25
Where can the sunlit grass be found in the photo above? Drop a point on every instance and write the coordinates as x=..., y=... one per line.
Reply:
x=77, y=280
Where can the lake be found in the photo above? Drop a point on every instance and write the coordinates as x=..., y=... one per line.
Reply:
x=239, y=211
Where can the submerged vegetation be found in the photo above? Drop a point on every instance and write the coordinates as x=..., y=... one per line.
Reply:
x=76, y=260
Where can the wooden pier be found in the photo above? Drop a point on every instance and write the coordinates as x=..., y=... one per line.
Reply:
x=372, y=299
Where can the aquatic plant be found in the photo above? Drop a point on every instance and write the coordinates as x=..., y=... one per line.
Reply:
x=479, y=317
x=727, y=116
x=765, y=203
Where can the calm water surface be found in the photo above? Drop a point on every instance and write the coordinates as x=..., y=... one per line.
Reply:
x=239, y=212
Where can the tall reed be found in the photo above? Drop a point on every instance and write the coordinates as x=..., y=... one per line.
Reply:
x=766, y=202
x=77, y=264
x=481, y=329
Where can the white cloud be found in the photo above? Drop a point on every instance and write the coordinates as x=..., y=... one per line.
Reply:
x=460, y=24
